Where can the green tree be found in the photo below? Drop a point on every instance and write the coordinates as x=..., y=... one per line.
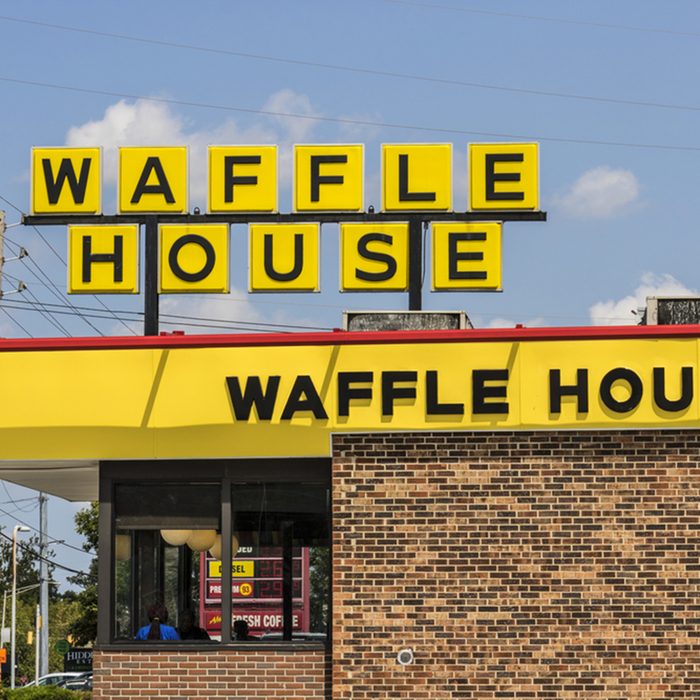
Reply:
x=27, y=596
x=27, y=562
x=319, y=587
x=83, y=629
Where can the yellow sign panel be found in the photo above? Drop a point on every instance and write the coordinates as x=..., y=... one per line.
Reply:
x=287, y=400
x=66, y=181
x=328, y=178
x=417, y=177
x=503, y=176
x=284, y=257
x=466, y=256
x=374, y=257
x=194, y=258
x=152, y=179
x=103, y=259
x=239, y=569
x=242, y=178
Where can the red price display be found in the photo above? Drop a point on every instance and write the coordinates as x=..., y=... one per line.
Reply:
x=272, y=568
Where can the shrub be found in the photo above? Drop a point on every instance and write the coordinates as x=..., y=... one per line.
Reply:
x=46, y=692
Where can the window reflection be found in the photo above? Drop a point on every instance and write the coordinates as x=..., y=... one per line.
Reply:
x=168, y=546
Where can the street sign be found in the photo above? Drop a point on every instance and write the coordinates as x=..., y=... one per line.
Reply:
x=62, y=646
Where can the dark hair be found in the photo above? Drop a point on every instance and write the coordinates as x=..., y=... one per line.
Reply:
x=156, y=614
x=240, y=629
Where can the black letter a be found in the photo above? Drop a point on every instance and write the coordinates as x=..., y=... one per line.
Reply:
x=153, y=164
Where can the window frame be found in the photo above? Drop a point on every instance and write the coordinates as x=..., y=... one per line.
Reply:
x=225, y=472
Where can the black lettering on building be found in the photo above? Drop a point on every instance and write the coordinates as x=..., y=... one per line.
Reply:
x=391, y=392
x=557, y=390
x=686, y=397
x=481, y=391
x=621, y=374
x=347, y=392
x=243, y=401
x=304, y=397
x=433, y=407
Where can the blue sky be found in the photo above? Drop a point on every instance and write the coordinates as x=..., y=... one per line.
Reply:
x=609, y=90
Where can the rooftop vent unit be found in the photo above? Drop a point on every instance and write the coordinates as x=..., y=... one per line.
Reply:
x=405, y=320
x=671, y=311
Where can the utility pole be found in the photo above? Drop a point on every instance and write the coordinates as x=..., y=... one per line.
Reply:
x=37, y=627
x=3, y=227
x=43, y=632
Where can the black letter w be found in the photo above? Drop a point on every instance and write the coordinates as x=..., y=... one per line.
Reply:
x=242, y=402
x=66, y=172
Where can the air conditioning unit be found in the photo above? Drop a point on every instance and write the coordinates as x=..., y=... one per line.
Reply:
x=405, y=320
x=671, y=311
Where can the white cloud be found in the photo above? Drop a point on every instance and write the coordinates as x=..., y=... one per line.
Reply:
x=600, y=193
x=619, y=313
x=149, y=123
x=230, y=309
x=289, y=102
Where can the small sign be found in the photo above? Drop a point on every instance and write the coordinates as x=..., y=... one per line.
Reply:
x=3, y=655
x=242, y=569
x=77, y=660
x=62, y=646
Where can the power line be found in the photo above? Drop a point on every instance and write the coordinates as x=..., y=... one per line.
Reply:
x=17, y=500
x=60, y=257
x=40, y=308
x=543, y=18
x=220, y=324
x=37, y=556
x=347, y=120
x=61, y=542
x=374, y=71
x=13, y=501
x=15, y=321
x=57, y=292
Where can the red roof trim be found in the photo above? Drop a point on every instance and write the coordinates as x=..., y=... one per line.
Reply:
x=351, y=338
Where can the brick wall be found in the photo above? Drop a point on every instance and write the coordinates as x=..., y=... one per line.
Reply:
x=223, y=673
x=517, y=565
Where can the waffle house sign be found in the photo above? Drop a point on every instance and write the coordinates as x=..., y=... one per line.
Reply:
x=379, y=251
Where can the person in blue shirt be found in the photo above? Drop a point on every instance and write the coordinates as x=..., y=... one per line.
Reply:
x=158, y=629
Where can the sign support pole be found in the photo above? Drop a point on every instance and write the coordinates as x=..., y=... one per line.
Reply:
x=150, y=310
x=415, y=263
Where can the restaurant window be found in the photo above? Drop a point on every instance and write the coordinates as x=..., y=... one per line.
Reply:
x=168, y=555
x=280, y=573
x=160, y=532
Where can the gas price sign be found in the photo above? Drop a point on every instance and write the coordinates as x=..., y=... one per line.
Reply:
x=256, y=589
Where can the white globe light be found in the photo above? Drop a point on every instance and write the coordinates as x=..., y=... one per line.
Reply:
x=199, y=540
x=122, y=547
x=215, y=550
x=175, y=537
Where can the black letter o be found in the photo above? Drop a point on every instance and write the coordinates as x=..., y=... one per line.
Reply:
x=635, y=384
x=179, y=244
